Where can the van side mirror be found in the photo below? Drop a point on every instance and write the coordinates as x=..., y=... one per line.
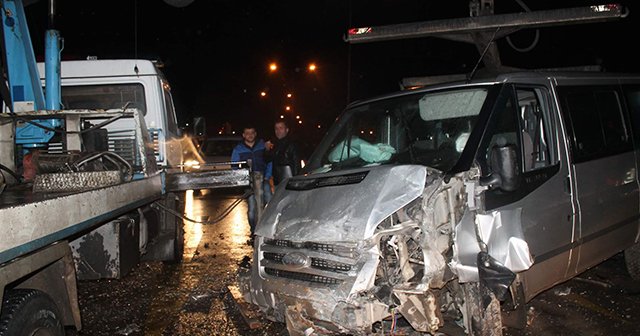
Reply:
x=505, y=173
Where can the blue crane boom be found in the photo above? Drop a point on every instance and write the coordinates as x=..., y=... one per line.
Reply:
x=24, y=86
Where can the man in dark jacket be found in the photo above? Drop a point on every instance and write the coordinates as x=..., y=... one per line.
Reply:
x=283, y=154
x=251, y=148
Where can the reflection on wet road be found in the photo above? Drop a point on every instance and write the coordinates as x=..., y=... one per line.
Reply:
x=191, y=298
x=192, y=230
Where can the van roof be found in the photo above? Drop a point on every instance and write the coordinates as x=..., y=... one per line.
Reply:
x=435, y=82
x=104, y=68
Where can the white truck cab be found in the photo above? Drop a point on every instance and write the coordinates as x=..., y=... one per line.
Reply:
x=113, y=85
x=116, y=83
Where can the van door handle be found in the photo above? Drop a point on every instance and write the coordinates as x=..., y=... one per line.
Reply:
x=567, y=185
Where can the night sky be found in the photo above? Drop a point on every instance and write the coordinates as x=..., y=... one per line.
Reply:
x=216, y=52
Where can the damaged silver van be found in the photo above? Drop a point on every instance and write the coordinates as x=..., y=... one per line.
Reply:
x=447, y=204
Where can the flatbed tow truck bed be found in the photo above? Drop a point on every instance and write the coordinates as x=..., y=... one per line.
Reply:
x=66, y=213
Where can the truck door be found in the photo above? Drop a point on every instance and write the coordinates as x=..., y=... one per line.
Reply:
x=605, y=170
x=526, y=119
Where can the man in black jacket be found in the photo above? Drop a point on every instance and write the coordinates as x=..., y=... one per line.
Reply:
x=283, y=154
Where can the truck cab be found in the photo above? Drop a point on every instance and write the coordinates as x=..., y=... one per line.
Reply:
x=133, y=83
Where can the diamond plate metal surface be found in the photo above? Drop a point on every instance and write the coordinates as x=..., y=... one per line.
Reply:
x=70, y=182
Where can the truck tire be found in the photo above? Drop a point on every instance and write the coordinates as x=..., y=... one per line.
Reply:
x=178, y=247
x=483, y=310
x=27, y=312
x=632, y=260
x=176, y=224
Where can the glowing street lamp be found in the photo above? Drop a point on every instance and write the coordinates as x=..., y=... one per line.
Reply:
x=273, y=67
x=289, y=95
x=288, y=108
x=263, y=94
x=312, y=67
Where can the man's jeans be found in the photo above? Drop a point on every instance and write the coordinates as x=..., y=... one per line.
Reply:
x=251, y=213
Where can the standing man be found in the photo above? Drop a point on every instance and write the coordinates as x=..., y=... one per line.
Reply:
x=251, y=148
x=283, y=154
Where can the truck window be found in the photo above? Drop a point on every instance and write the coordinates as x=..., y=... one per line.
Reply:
x=172, y=123
x=106, y=96
x=597, y=122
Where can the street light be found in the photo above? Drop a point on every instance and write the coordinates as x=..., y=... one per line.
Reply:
x=289, y=95
x=273, y=67
x=312, y=67
x=263, y=94
x=288, y=108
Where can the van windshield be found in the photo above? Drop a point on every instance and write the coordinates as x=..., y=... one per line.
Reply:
x=430, y=129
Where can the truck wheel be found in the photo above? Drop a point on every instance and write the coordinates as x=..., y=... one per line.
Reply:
x=27, y=312
x=178, y=247
x=482, y=310
x=632, y=259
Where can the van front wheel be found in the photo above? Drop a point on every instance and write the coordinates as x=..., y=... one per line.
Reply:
x=482, y=310
x=632, y=259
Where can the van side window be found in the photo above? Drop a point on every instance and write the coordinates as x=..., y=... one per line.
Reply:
x=597, y=122
x=534, y=126
x=503, y=129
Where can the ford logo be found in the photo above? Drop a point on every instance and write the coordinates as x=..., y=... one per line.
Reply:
x=295, y=259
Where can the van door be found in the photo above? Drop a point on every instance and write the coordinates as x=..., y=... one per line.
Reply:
x=604, y=165
x=526, y=119
x=632, y=95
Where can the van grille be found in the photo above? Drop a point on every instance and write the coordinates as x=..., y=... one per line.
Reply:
x=302, y=276
x=318, y=263
x=341, y=250
x=321, y=263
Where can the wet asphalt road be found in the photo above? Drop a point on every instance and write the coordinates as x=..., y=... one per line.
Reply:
x=188, y=298
x=191, y=298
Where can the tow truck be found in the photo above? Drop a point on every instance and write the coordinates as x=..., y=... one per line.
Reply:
x=54, y=195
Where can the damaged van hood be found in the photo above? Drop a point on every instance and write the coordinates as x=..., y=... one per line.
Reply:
x=344, y=206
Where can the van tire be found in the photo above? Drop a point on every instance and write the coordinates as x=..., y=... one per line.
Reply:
x=29, y=312
x=632, y=260
x=482, y=309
